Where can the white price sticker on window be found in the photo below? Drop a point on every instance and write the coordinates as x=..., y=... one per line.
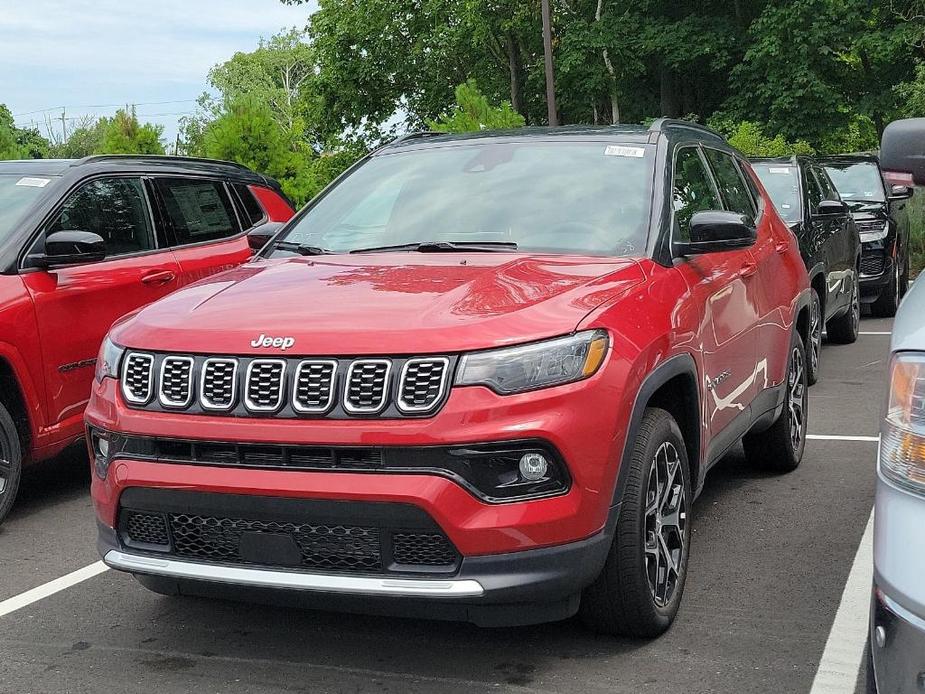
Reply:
x=621, y=151
x=33, y=182
x=779, y=170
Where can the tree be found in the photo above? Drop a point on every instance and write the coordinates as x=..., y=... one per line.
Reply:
x=123, y=134
x=472, y=112
x=9, y=147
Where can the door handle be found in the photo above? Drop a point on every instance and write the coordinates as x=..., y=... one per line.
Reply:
x=748, y=269
x=159, y=278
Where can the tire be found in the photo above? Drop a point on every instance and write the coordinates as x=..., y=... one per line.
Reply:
x=814, y=346
x=887, y=303
x=630, y=597
x=904, y=279
x=10, y=463
x=871, y=679
x=844, y=329
x=780, y=447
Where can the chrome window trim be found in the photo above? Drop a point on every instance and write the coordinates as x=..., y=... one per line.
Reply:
x=250, y=404
x=417, y=409
x=331, y=389
x=167, y=402
x=348, y=407
x=126, y=393
x=203, y=401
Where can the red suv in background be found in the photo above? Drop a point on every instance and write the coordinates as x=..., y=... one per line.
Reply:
x=481, y=377
x=84, y=242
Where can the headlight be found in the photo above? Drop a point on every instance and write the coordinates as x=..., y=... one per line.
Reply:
x=902, y=435
x=109, y=359
x=537, y=365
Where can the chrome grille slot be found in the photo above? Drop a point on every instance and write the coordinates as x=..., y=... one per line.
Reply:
x=218, y=384
x=422, y=383
x=264, y=390
x=176, y=382
x=313, y=388
x=138, y=378
x=367, y=385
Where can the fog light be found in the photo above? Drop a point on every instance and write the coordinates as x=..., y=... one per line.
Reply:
x=533, y=466
x=102, y=446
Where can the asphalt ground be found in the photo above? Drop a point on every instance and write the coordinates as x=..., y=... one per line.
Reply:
x=769, y=560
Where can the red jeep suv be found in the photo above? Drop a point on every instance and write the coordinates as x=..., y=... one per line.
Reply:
x=81, y=244
x=480, y=377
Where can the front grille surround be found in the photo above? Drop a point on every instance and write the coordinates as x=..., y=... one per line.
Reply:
x=138, y=378
x=176, y=378
x=300, y=388
x=873, y=263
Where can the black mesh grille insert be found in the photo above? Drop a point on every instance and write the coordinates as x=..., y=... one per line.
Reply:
x=367, y=386
x=423, y=549
x=146, y=528
x=265, y=385
x=423, y=384
x=314, y=383
x=872, y=262
x=325, y=547
x=176, y=387
x=136, y=377
x=218, y=383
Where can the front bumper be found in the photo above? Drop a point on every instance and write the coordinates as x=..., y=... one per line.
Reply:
x=877, y=267
x=898, y=603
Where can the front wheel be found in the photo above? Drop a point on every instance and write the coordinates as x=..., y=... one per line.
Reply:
x=814, y=346
x=639, y=589
x=780, y=447
x=887, y=303
x=10, y=462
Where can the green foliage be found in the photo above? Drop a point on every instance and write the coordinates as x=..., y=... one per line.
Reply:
x=472, y=112
x=246, y=132
x=9, y=146
x=123, y=134
x=750, y=139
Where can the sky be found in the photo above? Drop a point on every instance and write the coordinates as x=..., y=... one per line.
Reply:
x=92, y=56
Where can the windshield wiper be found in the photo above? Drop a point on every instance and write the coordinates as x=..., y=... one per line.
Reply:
x=444, y=247
x=301, y=248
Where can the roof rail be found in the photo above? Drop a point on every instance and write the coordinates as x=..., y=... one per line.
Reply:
x=158, y=157
x=659, y=124
x=416, y=135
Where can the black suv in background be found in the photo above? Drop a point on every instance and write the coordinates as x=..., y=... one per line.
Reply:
x=878, y=210
x=806, y=198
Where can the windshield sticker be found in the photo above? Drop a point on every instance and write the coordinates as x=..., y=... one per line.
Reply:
x=620, y=151
x=33, y=182
x=779, y=170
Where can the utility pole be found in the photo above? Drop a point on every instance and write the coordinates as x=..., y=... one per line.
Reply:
x=550, y=78
x=63, y=127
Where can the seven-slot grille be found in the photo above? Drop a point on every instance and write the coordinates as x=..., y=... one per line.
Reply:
x=176, y=383
x=265, y=385
x=367, y=385
x=137, y=378
x=314, y=386
x=287, y=387
x=422, y=383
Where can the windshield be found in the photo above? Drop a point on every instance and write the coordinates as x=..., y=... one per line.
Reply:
x=586, y=198
x=857, y=180
x=783, y=185
x=16, y=194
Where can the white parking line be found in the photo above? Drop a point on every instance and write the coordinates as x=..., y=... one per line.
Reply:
x=824, y=437
x=844, y=649
x=874, y=333
x=17, y=602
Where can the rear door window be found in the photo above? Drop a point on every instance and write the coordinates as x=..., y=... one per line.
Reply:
x=197, y=210
x=733, y=189
x=114, y=208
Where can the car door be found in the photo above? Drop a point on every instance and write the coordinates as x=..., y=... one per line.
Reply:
x=724, y=284
x=76, y=305
x=202, y=224
x=842, y=243
x=822, y=234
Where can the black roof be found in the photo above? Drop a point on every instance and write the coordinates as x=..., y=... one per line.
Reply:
x=129, y=163
x=854, y=157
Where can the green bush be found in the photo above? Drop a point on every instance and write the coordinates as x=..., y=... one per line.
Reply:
x=916, y=211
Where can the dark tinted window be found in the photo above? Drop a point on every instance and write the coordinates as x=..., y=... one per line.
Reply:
x=825, y=183
x=197, y=210
x=114, y=208
x=814, y=193
x=253, y=212
x=693, y=191
x=731, y=186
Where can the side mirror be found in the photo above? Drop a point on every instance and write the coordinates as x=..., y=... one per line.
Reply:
x=902, y=149
x=258, y=237
x=900, y=193
x=830, y=208
x=70, y=248
x=715, y=231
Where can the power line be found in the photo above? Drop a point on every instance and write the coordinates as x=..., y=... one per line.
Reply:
x=124, y=103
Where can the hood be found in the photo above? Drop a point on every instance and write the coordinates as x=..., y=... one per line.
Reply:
x=396, y=303
x=866, y=209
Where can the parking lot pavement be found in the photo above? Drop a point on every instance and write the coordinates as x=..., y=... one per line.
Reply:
x=769, y=561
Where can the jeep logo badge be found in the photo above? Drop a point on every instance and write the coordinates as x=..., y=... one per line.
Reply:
x=282, y=343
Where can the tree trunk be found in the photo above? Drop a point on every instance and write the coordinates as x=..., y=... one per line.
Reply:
x=515, y=63
x=614, y=97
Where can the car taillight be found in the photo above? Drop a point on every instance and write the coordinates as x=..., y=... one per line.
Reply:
x=902, y=435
